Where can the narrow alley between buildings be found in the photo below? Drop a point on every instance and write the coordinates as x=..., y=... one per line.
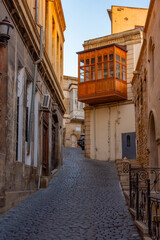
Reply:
x=84, y=201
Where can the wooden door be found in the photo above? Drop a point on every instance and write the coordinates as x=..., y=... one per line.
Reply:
x=45, y=166
x=53, y=149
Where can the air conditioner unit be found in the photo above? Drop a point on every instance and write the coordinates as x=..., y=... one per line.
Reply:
x=46, y=101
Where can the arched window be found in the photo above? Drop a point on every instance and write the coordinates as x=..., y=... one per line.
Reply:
x=128, y=141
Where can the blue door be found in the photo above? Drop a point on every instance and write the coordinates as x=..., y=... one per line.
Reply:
x=129, y=145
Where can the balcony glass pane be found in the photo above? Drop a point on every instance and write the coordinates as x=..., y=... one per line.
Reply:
x=87, y=61
x=118, y=65
x=118, y=73
x=105, y=73
x=117, y=58
x=124, y=76
x=105, y=58
x=118, y=70
x=123, y=68
x=100, y=59
x=87, y=73
x=92, y=75
x=82, y=78
x=111, y=74
x=105, y=65
x=92, y=72
x=123, y=73
x=99, y=71
x=105, y=70
x=81, y=70
x=123, y=61
x=81, y=63
x=110, y=56
x=81, y=74
x=92, y=60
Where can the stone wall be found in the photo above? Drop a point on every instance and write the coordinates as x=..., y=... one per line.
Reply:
x=140, y=82
x=20, y=176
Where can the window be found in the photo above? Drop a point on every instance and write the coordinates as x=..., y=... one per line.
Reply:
x=123, y=73
x=92, y=68
x=81, y=74
x=110, y=56
x=100, y=65
x=111, y=66
x=100, y=71
x=105, y=66
x=105, y=58
x=111, y=74
x=105, y=70
x=92, y=60
x=92, y=72
x=81, y=63
x=100, y=59
x=117, y=58
x=87, y=61
x=87, y=74
x=118, y=70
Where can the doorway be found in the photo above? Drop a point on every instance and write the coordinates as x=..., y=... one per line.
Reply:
x=152, y=143
x=45, y=165
x=53, y=148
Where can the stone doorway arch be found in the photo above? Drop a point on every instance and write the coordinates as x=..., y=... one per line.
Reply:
x=153, y=148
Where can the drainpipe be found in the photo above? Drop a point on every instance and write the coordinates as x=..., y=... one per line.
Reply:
x=34, y=81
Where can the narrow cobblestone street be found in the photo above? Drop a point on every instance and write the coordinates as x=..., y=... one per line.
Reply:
x=83, y=202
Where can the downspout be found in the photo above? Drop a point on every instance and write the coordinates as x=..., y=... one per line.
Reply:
x=34, y=81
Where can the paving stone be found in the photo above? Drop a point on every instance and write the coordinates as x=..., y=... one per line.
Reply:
x=82, y=202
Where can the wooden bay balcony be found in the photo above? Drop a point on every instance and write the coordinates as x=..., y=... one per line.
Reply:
x=102, y=75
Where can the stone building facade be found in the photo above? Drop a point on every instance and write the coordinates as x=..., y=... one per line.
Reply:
x=147, y=91
x=31, y=124
x=73, y=121
x=110, y=127
x=126, y=18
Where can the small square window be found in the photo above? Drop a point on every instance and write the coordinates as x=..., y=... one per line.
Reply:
x=92, y=60
x=87, y=61
x=117, y=58
x=105, y=65
x=123, y=61
x=110, y=56
x=82, y=63
x=105, y=57
x=100, y=59
x=93, y=68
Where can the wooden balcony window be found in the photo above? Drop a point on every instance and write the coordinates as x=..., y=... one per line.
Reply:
x=102, y=74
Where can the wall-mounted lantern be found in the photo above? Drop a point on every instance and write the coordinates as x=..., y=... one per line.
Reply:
x=5, y=31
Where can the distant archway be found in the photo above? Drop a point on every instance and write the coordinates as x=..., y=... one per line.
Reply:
x=152, y=142
x=73, y=140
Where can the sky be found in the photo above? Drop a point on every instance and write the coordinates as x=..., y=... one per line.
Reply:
x=87, y=19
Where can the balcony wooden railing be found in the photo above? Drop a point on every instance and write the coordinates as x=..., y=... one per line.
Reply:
x=102, y=75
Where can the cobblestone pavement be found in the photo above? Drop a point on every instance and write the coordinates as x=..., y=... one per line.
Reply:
x=83, y=202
